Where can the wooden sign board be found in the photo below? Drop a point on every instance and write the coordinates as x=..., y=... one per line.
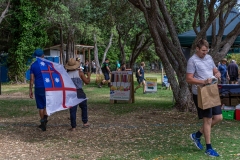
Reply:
x=151, y=84
x=121, y=86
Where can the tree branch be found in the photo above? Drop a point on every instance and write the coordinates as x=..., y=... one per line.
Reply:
x=232, y=20
x=214, y=32
x=194, y=25
x=212, y=16
x=3, y=15
x=201, y=15
x=211, y=7
x=233, y=33
x=169, y=23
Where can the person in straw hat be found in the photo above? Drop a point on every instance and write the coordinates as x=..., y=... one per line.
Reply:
x=78, y=79
x=224, y=72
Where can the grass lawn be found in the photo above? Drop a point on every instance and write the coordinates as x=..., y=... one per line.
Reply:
x=148, y=129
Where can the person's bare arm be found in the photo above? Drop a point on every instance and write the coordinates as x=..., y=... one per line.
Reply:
x=109, y=71
x=85, y=79
x=216, y=73
x=139, y=72
x=191, y=80
x=31, y=85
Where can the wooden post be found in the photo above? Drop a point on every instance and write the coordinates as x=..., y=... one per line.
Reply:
x=61, y=54
x=84, y=55
x=75, y=52
x=132, y=92
x=162, y=74
x=89, y=61
x=0, y=81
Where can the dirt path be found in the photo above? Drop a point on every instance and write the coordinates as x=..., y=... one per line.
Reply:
x=21, y=139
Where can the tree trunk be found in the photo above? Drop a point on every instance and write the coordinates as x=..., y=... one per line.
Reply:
x=70, y=45
x=62, y=58
x=169, y=51
x=107, y=48
x=168, y=47
x=67, y=50
x=121, y=46
x=98, y=67
x=142, y=43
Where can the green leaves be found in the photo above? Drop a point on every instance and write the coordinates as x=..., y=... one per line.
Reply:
x=28, y=33
x=182, y=13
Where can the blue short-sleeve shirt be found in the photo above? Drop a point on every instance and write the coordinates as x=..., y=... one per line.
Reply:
x=223, y=70
x=38, y=79
x=141, y=72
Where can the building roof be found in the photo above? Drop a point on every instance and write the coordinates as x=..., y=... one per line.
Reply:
x=78, y=47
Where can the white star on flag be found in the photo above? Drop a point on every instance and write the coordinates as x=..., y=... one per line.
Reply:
x=57, y=80
x=42, y=63
x=47, y=80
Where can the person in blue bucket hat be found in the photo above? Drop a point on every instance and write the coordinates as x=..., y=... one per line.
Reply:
x=39, y=89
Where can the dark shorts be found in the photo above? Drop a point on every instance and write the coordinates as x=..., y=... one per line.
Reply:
x=40, y=97
x=106, y=76
x=140, y=80
x=234, y=78
x=207, y=112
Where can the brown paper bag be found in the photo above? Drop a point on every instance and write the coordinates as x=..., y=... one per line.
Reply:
x=208, y=96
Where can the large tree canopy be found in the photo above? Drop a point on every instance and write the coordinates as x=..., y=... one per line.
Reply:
x=73, y=22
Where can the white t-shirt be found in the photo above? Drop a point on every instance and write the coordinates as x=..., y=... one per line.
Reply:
x=201, y=68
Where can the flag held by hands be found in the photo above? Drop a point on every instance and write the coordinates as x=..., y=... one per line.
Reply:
x=60, y=90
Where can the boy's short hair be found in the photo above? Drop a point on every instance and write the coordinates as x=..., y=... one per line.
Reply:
x=202, y=42
x=142, y=63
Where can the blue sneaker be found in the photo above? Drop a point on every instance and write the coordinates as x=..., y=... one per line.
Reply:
x=211, y=153
x=196, y=141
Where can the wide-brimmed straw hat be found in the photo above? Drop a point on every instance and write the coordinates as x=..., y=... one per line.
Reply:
x=72, y=64
x=224, y=59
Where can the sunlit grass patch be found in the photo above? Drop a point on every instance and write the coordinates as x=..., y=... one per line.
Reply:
x=17, y=107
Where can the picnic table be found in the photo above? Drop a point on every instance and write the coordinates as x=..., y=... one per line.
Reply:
x=230, y=91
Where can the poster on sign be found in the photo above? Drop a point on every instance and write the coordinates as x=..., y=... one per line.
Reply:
x=120, y=85
x=151, y=84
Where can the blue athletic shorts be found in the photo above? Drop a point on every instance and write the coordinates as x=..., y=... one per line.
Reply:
x=40, y=97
